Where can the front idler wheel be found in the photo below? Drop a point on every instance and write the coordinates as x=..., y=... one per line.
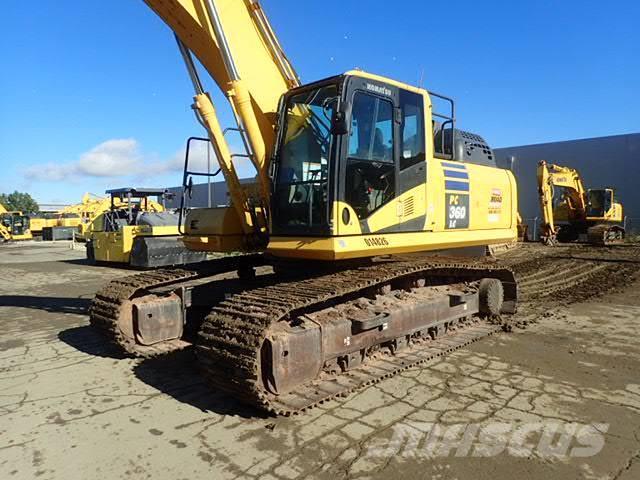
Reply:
x=491, y=296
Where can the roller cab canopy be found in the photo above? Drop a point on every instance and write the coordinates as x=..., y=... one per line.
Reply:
x=137, y=192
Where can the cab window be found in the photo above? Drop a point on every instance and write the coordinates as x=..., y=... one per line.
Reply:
x=608, y=201
x=370, y=173
x=413, y=150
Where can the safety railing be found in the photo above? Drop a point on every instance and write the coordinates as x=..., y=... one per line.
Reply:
x=189, y=173
x=448, y=123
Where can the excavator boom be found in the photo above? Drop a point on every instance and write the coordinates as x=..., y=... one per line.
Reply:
x=235, y=43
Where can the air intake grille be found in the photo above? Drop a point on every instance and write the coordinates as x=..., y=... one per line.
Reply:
x=407, y=207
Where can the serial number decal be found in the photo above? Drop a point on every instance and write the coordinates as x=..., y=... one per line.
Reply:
x=457, y=211
x=376, y=242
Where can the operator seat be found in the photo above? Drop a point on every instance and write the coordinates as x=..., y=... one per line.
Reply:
x=380, y=150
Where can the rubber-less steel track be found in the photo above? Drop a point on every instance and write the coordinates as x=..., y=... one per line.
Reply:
x=111, y=300
x=231, y=338
x=601, y=235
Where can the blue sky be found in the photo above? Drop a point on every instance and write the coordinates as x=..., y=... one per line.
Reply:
x=87, y=80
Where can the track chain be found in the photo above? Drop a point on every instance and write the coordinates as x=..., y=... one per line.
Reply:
x=600, y=235
x=108, y=304
x=106, y=307
x=229, y=343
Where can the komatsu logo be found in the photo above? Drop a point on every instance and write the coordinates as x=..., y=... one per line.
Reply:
x=379, y=89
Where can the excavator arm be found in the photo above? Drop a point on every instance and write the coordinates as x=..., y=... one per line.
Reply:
x=234, y=42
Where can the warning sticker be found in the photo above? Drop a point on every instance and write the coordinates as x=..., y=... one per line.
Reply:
x=495, y=205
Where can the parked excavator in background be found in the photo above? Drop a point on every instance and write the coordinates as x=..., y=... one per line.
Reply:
x=14, y=225
x=137, y=231
x=74, y=215
x=570, y=212
x=366, y=201
x=80, y=214
x=77, y=215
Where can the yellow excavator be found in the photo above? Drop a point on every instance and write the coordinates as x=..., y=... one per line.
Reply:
x=373, y=210
x=14, y=225
x=93, y=207
x=77, y=215
x=570, y=212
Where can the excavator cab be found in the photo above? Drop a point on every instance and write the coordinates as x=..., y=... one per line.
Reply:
x=15, y=226
x=347, y=148
x=349, y=171
x=340, y=146
x=601, y=205
x=598, y=202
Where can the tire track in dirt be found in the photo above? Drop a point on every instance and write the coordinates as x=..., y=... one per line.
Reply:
x=551, y=277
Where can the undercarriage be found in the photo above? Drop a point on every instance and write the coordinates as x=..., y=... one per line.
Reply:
x=600, y=234
x=286, y=342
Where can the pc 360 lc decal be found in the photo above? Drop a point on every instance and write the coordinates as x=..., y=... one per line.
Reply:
x=457, y=211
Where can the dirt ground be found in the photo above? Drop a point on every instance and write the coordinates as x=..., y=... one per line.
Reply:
x=72, y=408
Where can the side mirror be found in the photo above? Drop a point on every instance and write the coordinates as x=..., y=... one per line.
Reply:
x=339, y=123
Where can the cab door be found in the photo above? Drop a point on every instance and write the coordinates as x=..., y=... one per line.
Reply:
x=368, y=170
x=383, y=169
x=412, y=165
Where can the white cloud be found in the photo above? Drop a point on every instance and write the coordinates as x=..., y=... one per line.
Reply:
x=197, y=158
x=114, y=158
x=123, y=157
x=118, y=157
x=48, y=172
